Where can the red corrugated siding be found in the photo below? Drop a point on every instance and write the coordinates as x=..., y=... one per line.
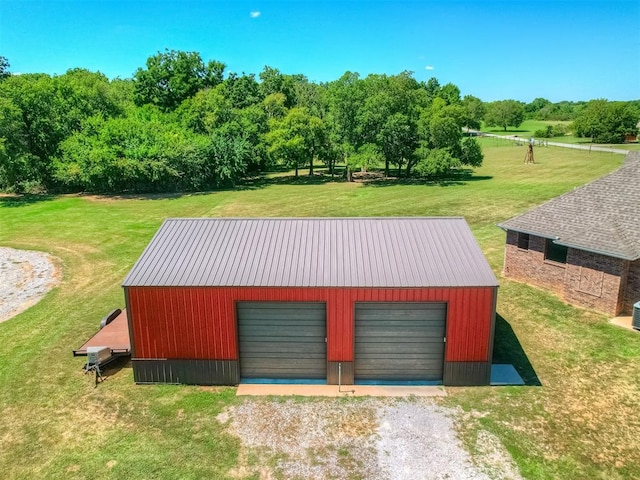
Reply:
x=199, y=322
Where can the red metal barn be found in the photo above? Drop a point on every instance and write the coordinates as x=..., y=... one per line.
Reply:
x=220, y=301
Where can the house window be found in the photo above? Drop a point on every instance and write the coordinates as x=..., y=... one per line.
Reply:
x=523, y=241
x=555, y=253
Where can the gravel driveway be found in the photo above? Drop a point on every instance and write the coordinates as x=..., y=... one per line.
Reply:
x=25, y=277
x=367, y=439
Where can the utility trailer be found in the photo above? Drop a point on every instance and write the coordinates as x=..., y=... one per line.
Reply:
x=109, y=342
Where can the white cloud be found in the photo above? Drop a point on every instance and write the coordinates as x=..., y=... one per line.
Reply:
x=429, y=67
x=254, y=14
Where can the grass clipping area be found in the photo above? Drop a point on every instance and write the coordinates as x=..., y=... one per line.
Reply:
x=576, y=418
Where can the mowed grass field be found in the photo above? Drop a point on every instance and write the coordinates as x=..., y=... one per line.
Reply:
x=529, y=127
x=576, y=418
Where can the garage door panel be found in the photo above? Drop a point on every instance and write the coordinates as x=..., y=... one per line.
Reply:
x=280, y=364
x=417, y=332
x=406, y=336
x=278, y=346
x=400, y=322
x=399, y=341
x=390, y=310
x=407, y=349
x=271, y=351
x=280, y=320
x=395, y=355
x=284, y=370
x=407, y=315
x=291, y=334
x=282, y=340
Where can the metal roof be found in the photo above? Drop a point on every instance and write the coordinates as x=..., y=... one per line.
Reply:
x=602, y=216
x=313, y=252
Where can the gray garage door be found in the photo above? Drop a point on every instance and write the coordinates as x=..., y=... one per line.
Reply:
x=400, y=341
x=282, y=340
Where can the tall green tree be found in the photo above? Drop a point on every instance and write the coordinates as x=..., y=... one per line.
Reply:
x=40, y=112
x=274, y=105
x=397, y=140
x=450, y=93
x=206, y=111
x=474, y=110
x=242, y=90
x=172, y=76
x=345, y=97
x=227, y=159
x=367, y=156
x=33, y=127
x=432, y=88
x=4, y=67
x=533, y=108
x=504, y=113
x=83, y=94
x=607, y=122
x=273, y=81
x=388, y=117
x=297, y=139
x=442, y=147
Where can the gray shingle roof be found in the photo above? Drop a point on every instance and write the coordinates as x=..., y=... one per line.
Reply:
x=602, y=216
x=313, y=252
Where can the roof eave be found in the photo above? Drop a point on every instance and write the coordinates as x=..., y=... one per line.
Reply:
x=619, y=255
x=528, y=232
x=558, y=241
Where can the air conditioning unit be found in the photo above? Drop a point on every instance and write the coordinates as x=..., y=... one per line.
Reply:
x=635, y=318
x=97, y=355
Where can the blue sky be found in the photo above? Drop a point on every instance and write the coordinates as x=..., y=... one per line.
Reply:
x=560, y=50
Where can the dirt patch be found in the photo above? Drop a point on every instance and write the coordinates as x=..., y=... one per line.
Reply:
x=26, y=277
x=369, y=439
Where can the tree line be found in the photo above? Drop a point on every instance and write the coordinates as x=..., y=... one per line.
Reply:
x=600, y=120
x=183, y=124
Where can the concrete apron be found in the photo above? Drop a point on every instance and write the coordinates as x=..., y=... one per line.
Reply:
x=624, y=322
x=346, y=390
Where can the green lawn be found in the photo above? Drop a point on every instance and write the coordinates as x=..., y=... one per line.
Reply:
x=581, y=422
x=526, y=129
x=529, y=127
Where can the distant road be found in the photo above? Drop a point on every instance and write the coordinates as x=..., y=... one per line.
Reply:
x=544, y=142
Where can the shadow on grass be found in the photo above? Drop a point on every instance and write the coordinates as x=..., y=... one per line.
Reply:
x=501, y=131
x=373, y=178
x=507, y=349
x=460, y=177
x=147, y=196
x=23, y=200
x=116, y=365
x=263, y=181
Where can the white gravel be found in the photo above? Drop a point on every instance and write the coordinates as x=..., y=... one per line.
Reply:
x=370, y=439
x=25, y=277
x=419, y=441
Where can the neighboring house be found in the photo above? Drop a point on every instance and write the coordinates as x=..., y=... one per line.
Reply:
x=585, y=244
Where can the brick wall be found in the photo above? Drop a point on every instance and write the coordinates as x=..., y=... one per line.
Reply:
x=587, y=279
x=632, y=293
x=530, y=266
x=595, y=281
